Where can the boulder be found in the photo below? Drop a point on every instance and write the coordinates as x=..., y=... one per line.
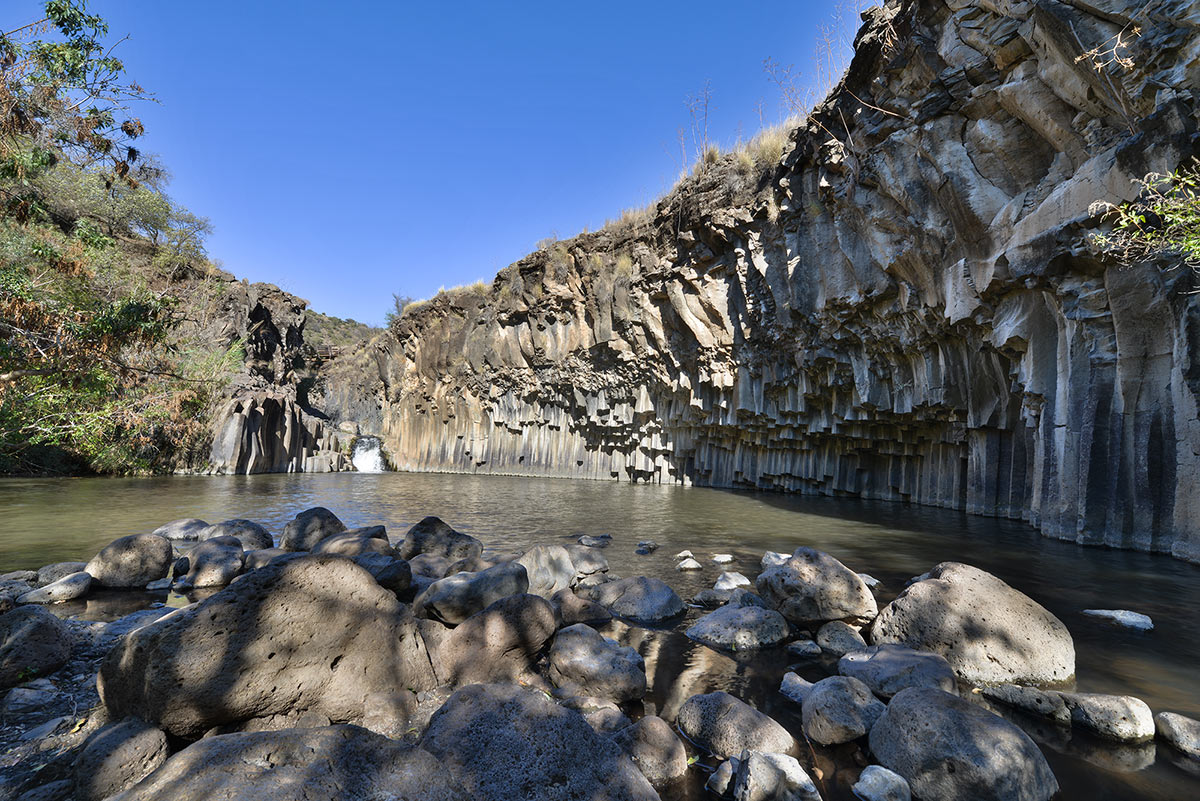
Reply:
x=1031, y=700
x=948, y=748
x=33, y=643
x=472, y=565
x=794, y=687
x=501, y=643
x=840, y=638
x=262, y=557
x=52, y=573
x=887, y=669
x=549, y=568
x=67, y=588
x=433, y=537
x=587, y=561
x=740, y=628
x=584, y=663
x=1113, y=717
x=118, y=756
x=343, y=762
x=839, y=709
x=602, y=714
x=186, y=529
x=1182, y=733
x=61, y=790
x=646, y=547
x=804, y=649
x=215, y=562
x=132, y=561
x=503, y=742
x=640, y=599
x=389, y=572
x=32, y=696
x=572, y=609
x=725, y=726
x=764, y=776
x=308, y=528
x=655, y=748
x=180, y=567
x=356, y=542
x=310, y=633
x=453, y=599
x=987, y=631
x=426, y=564
x=389, y=713
x=251, y=535
x=812, y=586
x=720, y=783
x=877, y=783
x=731, y=581
x=23, y=576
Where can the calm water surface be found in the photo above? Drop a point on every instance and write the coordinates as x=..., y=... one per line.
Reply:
x=48, y=520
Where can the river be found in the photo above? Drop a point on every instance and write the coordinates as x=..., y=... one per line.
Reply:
x=48, y=520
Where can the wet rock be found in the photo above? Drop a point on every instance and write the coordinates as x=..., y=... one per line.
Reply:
x=306, y=633
x=599, y=541
x=584, y=663
x=641, y=599
x=215, y=562
x=804, y=649
x=725, y=726
x=1113, y=717
x=679, y=557
x=731, y=581
x=52, y=573
x=549, y=568
x=118, y=756
x=573, y=609
x=503, y=742
x=887, y=669
x=389, y=713
x=356, y=542
x=1123, y=618
x=262, y=557
x=132, y=561
x=771, y=559
x=720, y=783
x=251, y=535
x=711, y=599
x=343, y=762
x=839, y=638
x=1030, y=699
x=795, y=688
x=722, y=558
x=655, y=748
x=689, y=564
x=763, y=776
x=186, y=529
x=389, y=572
x=646, y=547
x=813, y=586
x=67, y=588
x=33, y=643
x=989, y=632
x=160, y=585
x=877, y=783
x=1182, y=733
x=948, y=748
x=433, y=537
x=839, y=709
x=501, y=643
x=871, y=583
x=740, y=628
x=743, y=597
x=308, y=528
x=427, y=564
x=453, y=599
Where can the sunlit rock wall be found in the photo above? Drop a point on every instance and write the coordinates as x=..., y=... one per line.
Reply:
x=905, y=306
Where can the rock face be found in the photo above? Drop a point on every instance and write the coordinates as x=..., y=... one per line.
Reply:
x=307, y=633
x=902, y=303
x=725, y=726
x=33, y=642
x=813, y=586
x=987, y=631
x=132, y=561
x=947, y=748
x=503, y=742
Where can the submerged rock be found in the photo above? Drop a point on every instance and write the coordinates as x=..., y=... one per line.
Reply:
x=812, y=586
x=1122, y=617
x=132, y=561
x=726, y=726
x=308, y=528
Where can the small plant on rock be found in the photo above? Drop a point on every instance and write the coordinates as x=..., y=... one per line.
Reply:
x=1164, y=221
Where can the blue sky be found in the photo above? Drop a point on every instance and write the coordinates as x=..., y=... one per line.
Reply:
x=348, y=150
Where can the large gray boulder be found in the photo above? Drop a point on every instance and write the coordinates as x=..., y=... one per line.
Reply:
x=740, y=628
x=185, y=529
x=308, y=528
x=251, y=535
x=118, y=756
x=132, y=561
x=501, y=643
x=584, y=663
x=343, y=762
x=839, y=709
x=215, y=562
x=640, y=599
x=453, y=599
x=503, y=742
x=811, y=586
x=725, y=726
x=889, y=668
x=655, y=748
x=987, y=631
x=550, y=569
x=312, y=633
x=947, y=748
x=67, y=588
x=33, y=643
x=433, y=537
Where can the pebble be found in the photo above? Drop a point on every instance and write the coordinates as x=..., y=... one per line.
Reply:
x=1122, y=617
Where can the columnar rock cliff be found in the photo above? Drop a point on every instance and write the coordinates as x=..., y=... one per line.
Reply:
x=906, y=305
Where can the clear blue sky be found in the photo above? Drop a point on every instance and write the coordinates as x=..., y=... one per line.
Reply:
x=348, y=150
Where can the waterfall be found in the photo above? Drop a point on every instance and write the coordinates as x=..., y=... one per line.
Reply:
x=368, y=456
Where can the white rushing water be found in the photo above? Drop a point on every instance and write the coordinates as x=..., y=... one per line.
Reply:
x=367, y=456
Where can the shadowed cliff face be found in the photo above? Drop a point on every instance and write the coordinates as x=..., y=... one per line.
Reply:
x=904, y=307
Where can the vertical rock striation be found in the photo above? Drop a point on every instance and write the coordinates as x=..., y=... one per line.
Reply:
x=904, y=305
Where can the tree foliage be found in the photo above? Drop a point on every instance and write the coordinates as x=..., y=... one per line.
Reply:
x=1164, y=220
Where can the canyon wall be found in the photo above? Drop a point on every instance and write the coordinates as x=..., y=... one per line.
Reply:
x=904, y=303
